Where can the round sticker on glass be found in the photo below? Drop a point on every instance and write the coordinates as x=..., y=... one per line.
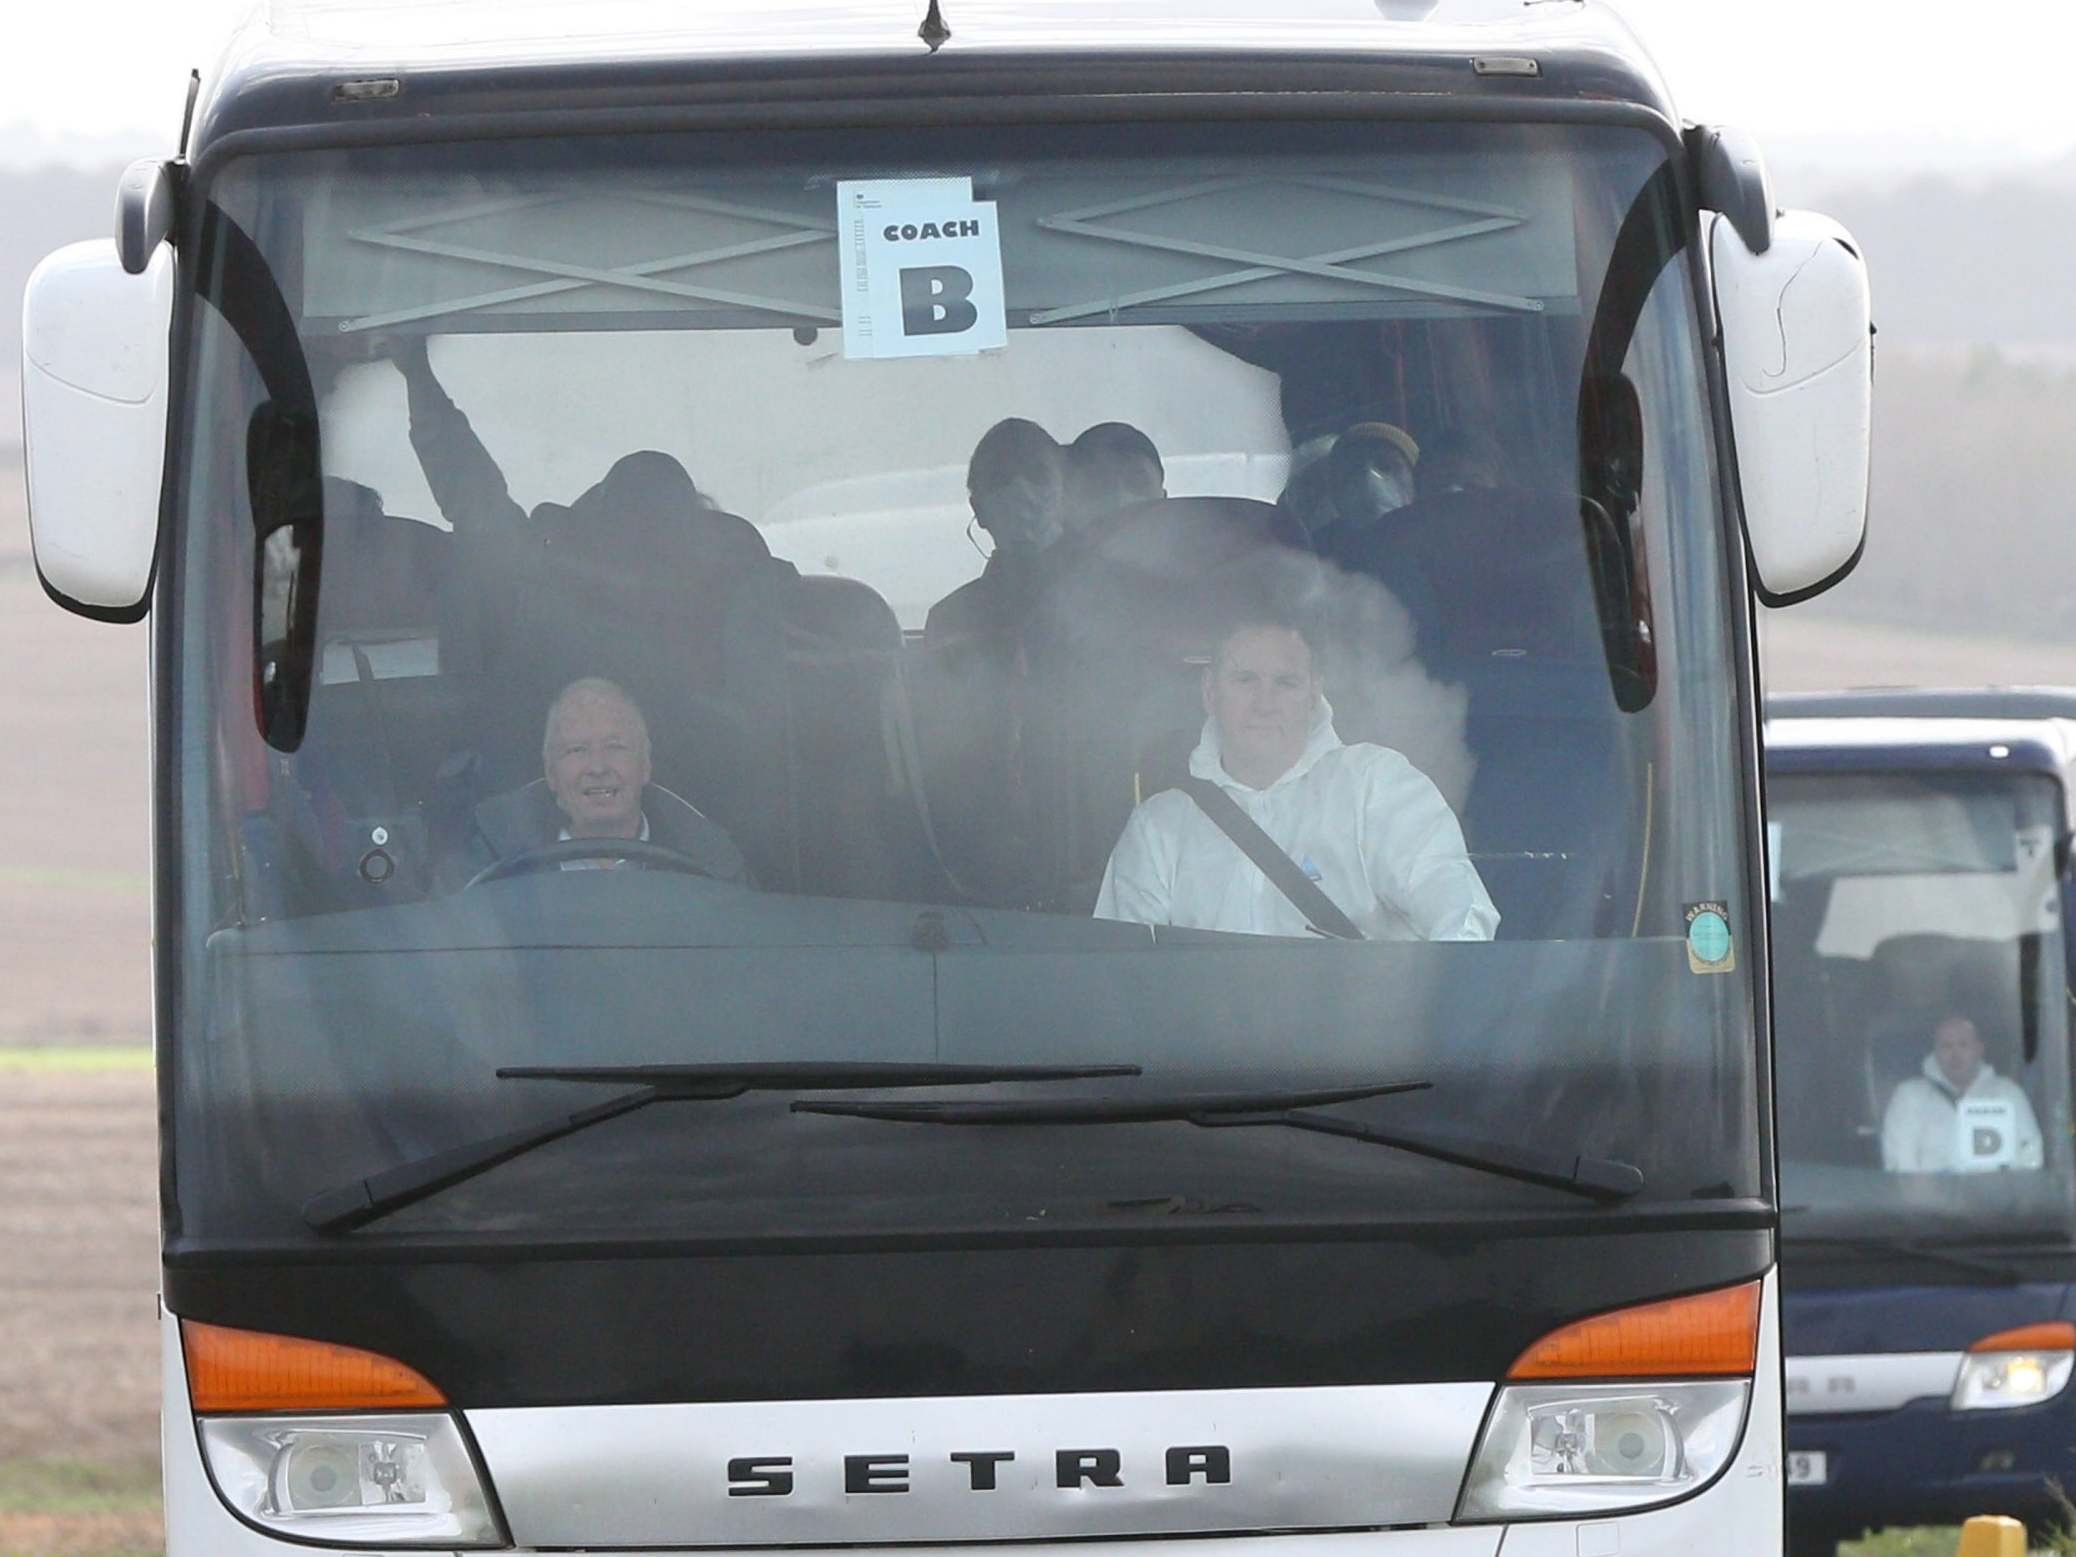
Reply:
x=1709, y=947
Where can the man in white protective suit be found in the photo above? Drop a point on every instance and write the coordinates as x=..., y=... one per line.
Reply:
x=1283, y=830
x=1958, y=1115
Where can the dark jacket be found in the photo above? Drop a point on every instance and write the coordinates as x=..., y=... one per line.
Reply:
x=989, y=611
x=522, y=819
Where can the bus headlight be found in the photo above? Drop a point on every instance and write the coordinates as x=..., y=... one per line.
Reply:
x=382, y=1480
x=1556, y=1449
x=2003, y=1381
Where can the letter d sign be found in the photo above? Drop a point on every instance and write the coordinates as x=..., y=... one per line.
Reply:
x=936, y=300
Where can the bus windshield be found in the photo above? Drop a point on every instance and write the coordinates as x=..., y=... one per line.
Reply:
x=641, y=604
x=1920, y=1005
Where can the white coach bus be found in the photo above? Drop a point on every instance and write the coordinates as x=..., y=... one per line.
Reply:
x=679, y=539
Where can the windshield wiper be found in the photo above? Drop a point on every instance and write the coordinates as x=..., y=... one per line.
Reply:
x=361, y=1202
x=1188, y=1107
x=1931, y=1254
x=1594, y=1178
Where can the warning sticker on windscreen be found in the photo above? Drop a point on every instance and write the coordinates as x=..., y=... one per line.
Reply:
x=922, y=269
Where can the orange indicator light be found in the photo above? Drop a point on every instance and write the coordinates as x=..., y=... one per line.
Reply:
x=247, y=1370
x=2056, y=1335
x=1706, y=1335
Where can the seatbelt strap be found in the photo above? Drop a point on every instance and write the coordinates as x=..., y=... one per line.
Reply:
x=1321, y=912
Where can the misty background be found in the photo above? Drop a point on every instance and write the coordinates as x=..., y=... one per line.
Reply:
x=1975, y=367
x=1942, y=139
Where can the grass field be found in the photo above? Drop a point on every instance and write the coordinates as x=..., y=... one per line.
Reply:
x=79, y=1363
x=78, y=1124
x=73, y=1508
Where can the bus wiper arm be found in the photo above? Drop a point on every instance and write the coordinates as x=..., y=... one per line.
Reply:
x=1199, y=1108
x=1595, y=1178
x=700, y=1082
x=361, y=1202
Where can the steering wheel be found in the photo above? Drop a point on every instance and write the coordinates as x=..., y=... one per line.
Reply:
x=553, y=856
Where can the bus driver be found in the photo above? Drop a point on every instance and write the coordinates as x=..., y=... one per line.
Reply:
x=1359, y=823
x=595, y=784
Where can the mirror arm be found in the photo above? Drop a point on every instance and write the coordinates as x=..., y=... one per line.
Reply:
x=1610, y=435
x=284, y=470
x=145, y=202
x=1730, y=176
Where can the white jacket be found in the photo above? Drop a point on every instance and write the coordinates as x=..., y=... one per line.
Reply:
x=1921, y=1131
x=1360, y=820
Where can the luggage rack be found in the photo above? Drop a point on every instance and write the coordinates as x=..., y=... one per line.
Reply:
x=647, y=276
x=1333, y=266
x=1451, y=220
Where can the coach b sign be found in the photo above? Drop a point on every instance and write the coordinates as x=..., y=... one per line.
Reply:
x=922, y=269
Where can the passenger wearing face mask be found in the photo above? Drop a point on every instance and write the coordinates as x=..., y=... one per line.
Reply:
x=1341, y=486
x=1111, y=467
x=1016, y=483
x=1369, y=474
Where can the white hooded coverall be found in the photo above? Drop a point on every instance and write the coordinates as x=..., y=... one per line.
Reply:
x=1360, y=820
x=1920, y=1130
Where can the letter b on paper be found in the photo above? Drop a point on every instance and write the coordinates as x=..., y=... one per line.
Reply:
x=921, y=269
x=937, y=301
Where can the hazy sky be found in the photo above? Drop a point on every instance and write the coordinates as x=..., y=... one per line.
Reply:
x=1902, y=78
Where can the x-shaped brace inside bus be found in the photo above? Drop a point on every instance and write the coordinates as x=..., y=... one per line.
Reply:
x=665, y=276
x=648, y=276
x=1091, y=222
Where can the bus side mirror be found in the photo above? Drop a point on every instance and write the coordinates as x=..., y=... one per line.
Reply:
x=1798, y=353
x=95, y=343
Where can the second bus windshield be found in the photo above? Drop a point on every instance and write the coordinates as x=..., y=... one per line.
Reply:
x=1919, y=996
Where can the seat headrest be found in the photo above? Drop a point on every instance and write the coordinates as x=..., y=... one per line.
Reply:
x=647, y=479
x=843, y=612
x=1168, y=571
x=350, y=502
x=650, y=545
x=1510, y=566
x=1187, y=537
x=1930, y=970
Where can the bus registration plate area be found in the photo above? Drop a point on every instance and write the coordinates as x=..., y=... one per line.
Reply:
x=1808, y=1467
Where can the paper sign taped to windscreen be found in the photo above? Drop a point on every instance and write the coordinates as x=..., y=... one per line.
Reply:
x=922, y=269
x=1987, y=1134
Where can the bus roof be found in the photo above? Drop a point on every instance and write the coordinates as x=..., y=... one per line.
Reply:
x=2010, y=703
x=416, y=62
x=1960, y=726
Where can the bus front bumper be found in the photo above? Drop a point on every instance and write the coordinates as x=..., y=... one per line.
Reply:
x=1737, y=1515
x=1925, y=1463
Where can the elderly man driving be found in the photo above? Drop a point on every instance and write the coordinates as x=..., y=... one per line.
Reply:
x=1365, y=845
x=596, y=784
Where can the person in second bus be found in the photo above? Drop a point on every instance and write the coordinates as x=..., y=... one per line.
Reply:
x=1958, y=1115
x=1360, y=823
